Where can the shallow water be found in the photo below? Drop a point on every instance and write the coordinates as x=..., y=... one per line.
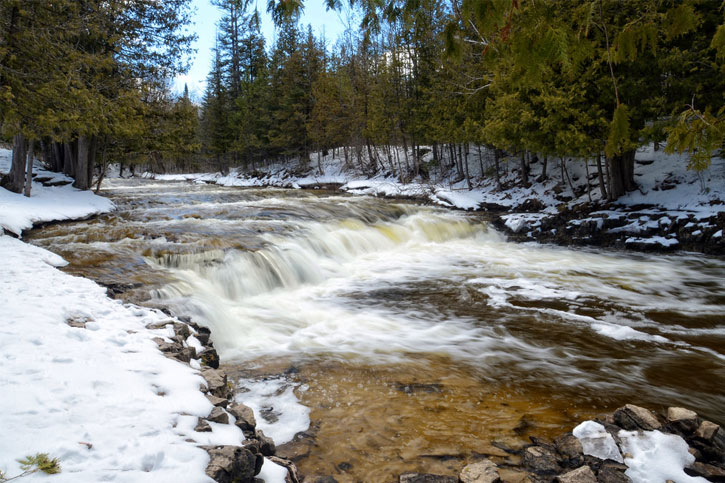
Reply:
x=413, y=336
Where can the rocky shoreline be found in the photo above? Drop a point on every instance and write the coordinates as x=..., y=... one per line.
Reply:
x=190, y=344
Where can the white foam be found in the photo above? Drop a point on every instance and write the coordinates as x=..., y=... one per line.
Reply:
x=654, y=457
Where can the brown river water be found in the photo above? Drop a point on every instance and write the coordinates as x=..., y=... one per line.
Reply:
x=393, y=337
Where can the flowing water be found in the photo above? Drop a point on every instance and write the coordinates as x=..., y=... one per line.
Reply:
x=401, y=337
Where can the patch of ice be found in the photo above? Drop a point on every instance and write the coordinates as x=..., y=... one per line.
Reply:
x=597, y=442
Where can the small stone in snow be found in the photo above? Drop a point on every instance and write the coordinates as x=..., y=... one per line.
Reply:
x=218, y=415
x=202, y=426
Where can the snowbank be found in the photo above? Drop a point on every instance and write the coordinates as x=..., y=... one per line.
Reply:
x=18, y=213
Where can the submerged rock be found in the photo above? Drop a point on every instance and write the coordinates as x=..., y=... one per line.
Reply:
x=426, y=478
x=484, y=471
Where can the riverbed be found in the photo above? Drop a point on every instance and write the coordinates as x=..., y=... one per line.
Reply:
x=393, y=337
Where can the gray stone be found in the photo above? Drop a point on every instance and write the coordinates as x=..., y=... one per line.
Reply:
x=216, y=382
x=583, y=474
x=612, y=472
x=218, y=415
x=483, y=471
x=426, y=478
x=244, y=416
x=319, y=479
x=217, y=401
x=540, y=460
x=293, y=475
x=631, y=417
x=266, y=444
x=231, y=464
x=709, y=472
x=182, y=330
x=202, y=426
x=570, y=449
x=209, y=358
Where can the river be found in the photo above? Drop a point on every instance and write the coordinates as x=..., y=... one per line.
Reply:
x=401, y=337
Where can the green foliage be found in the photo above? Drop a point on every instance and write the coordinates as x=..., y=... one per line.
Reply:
x=700, y=134
x=619, y=138
x=40, y=462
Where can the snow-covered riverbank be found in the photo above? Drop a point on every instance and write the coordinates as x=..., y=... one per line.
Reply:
x=81, y=377
x=673, y=208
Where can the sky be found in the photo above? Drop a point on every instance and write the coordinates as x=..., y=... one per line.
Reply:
x=329, y=23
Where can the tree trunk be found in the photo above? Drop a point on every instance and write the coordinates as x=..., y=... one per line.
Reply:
x=13, y=181
x=57, y=155
x=543, y=169
x=600, y=172
x=524, y=172
x=29, y=168
x=496, y=155
x=621, y=174
x=69, y=158
x=82, y=160
x=468, y=171
x=589, y=186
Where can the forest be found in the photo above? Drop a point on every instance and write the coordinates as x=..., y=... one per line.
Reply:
x=85, y=84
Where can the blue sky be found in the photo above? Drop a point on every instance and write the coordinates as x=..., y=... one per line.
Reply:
x=330, y=23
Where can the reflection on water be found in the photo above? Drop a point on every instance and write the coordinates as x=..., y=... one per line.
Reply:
x=357, y=299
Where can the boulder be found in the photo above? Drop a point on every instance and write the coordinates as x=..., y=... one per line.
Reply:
x=182, y=330
x=231, y=464
x=583, y=474
x=252, y=445
x=631, y=418
x=570, y=449
x=244, y=416
x=203, y=334
x=266, y=444
x=209, y=358
x=293, y=475
x=426, y=478
x=540, y=460
x=707, y=431
x=202, y=426
x=218, y=415
x=483, y=471
x=216, y=382
x=682, y=420
x=217, y=401
x=709, y=472
x=612, y=472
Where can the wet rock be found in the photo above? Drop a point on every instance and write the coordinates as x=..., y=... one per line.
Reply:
x=252, y=445
x=297, y=449
x=710, y=441
x=231, y=464
x=707, y=431
x=570, y=449
x=481, y=472
x=426, y=478
x=203, y=334
x=540, y=460
x=244, y=417
x=218, y=401
x=293, y=475
x=202, y=426
x=266, y=444
x=218, y=415
x=631, y=417
x=430, y=388
x=709, y=472
x=216, y=382
x=186, y=354
x=583, y=474
x=682, y=420
x=209, y=358
x=612, y=472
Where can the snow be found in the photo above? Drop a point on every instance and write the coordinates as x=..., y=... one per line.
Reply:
x=100, y=397
x=597, y=442
x=275, y=396
x=18, y=213
x=655, y=240
x=653, y=457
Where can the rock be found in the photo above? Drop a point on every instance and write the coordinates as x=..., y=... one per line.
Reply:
x=570, y=449
x=244, y=417
x=252, y=445
x=217, y=401
x=683, y=420
x=202, y=426
x=218, y=415
x=583, y=474
x=293, y=475
x=216, y=382
x=182, y=330
x=231, y=464
x=631, y=417
x=297, y=449
x=709, y=472
x=159, y=325
x=169, y=346
x=209, y=358
x=203, y=334
x=186, y=354
x=481, y=472
x=540, y=460
x=426, y=478
x=266, y=444
x=707, y=431
x=612, y=472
